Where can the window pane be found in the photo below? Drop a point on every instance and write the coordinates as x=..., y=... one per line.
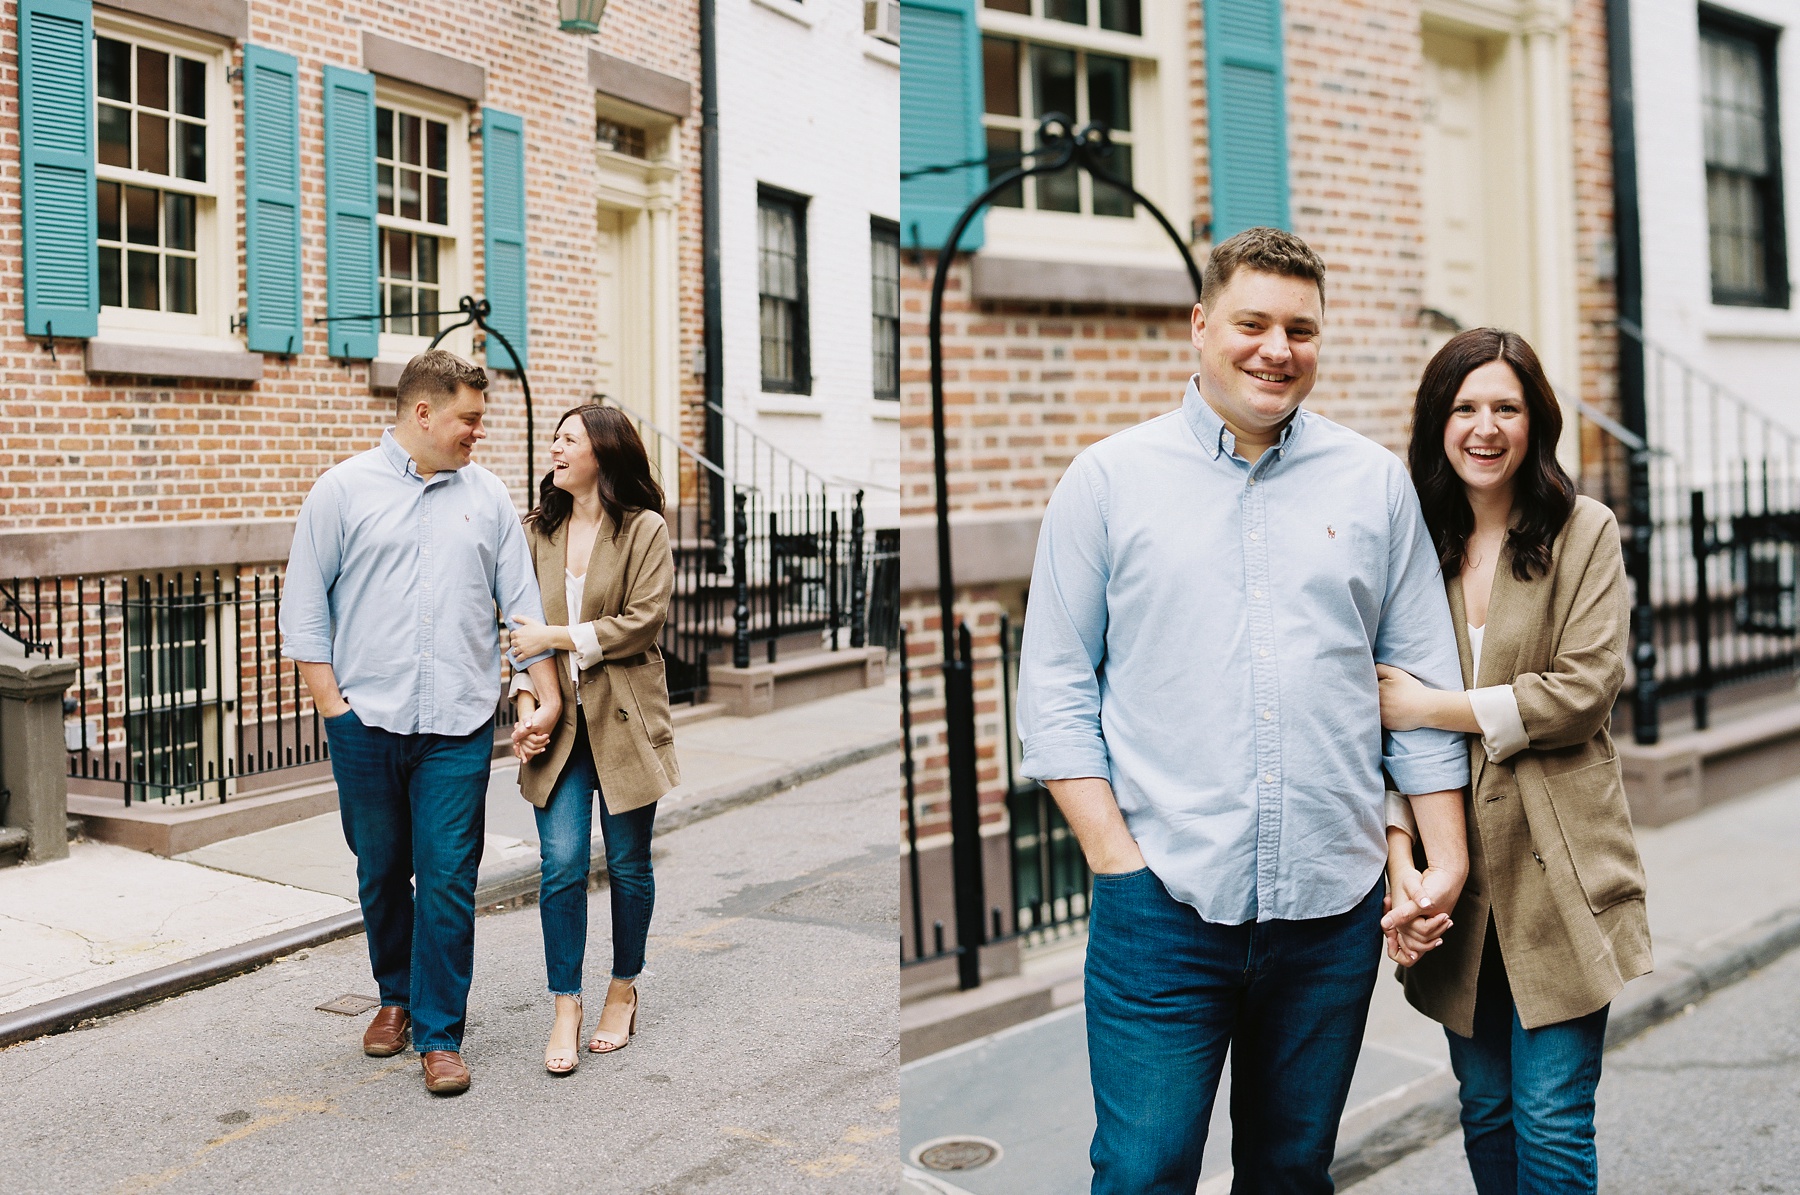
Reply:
x=1734, y=119
x=178, y=221
x=1003, y=148
x=190, y=151
x=408, y=181
x=384, y=190
x=428, y=301
x=106, y=210
x=1053, y=81
x=1110, y=201
x=140, y=215
x=399, y=253
x=1072, y=11
x=1022, y=7
x=115, y=136
x=141, y=281
x=152, y=143
x=437, y=145
x=409, y=140
x=777, y=341
x=109, y=278
x=437, y=194
x=428, y=259
x=1000, y=70
x=1121, y=16
x=1060, y=192
x=152, y=79
x=112, y=69
x=1109, y=91
x=400, y=303
x=181, y=285
x=190, y=87
x=384, y=133
x=884, y=280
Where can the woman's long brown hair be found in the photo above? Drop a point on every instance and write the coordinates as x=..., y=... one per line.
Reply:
x=1543, y=494
x=626, y=484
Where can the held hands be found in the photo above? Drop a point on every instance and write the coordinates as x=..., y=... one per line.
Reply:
x=530, y=637
x=1405, y=700
x=531, y=733
x=1416, y=912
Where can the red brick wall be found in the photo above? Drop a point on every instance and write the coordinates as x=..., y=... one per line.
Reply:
x=79, y=450
x=1597, y=300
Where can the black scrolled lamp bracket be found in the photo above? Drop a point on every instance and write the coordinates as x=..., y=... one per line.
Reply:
x=476, y=311
x=1060, y=146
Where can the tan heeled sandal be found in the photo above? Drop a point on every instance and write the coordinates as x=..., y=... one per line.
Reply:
x=564, y=1062
x=603, y=1042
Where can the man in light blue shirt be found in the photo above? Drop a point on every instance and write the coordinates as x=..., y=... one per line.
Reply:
x=403, y=556
x=1212, y=591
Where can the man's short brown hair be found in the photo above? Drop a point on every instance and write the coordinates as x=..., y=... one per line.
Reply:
x=435, y=377
x=1270, y=250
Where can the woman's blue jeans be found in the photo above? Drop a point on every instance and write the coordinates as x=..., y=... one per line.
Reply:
x=565, y=836
x=1527, y=1094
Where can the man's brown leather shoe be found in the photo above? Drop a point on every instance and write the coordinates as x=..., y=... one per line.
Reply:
x=386, y=1034
x=445, y=1073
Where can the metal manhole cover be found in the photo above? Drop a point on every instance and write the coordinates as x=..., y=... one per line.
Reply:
x=957, y=1153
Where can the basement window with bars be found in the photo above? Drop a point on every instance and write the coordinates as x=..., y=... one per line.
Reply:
x=1747, y=237
x=159, y=108
x=884, y=306
x=781, y=291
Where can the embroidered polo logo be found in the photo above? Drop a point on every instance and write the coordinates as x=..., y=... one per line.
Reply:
x=1330, y=532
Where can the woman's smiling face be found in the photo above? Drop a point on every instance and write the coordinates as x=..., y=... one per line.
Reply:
x=572, y=462
x=1489, y=429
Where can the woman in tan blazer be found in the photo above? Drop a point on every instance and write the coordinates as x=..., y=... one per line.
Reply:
x=603, y=562
x=1550, y=923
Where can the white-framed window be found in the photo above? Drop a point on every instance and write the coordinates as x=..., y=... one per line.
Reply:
x=422, y=212
x=1118, y=62
x=165, y=216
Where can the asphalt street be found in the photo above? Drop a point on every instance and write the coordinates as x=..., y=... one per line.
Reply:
x=766, y=1060
x=1705, y=1104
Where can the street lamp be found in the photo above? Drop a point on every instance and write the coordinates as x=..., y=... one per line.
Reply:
x=579, y=16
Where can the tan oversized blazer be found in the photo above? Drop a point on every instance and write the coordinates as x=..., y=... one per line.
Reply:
x=626, y=698
x=1551, y=855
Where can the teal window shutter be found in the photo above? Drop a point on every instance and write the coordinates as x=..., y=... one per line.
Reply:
x=272, y=199
x=351, y=283
x=503, y=232
x=940, y=120
x=1246, y=115
x=56, y=151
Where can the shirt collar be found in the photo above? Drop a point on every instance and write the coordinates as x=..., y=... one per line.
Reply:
x=402, y=462
x=1215, y=437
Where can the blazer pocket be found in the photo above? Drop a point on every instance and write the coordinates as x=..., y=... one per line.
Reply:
x=1595, y=821
x=650, y=691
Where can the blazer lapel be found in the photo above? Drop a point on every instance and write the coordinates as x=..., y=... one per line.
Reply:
x=1504, y=636
x=1459, y=615
x=551, y=566
x=599, y=590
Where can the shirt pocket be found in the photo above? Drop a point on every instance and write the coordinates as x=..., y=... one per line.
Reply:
x=1595, y=821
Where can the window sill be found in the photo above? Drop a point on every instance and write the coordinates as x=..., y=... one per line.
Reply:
x=1749, y=323
x=802, y=405
x=884, y=409
x=1011, y=279
x=385, y=375
x=225, y=361
x=799, y=11
x=881, y=51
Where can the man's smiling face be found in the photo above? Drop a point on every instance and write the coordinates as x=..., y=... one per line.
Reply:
x=1259, y=348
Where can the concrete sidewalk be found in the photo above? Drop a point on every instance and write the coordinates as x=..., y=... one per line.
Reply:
x=1724, y=899
x=111, y=920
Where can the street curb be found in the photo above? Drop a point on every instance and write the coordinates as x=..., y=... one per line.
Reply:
x=66, y=1012
x=1427, y=1109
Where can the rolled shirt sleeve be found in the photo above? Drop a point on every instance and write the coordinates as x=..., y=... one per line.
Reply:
x=587, y=644
x=1400, y=814
x=313, y=564
x=1502, y=729
x=1416, y=635
x=1065, y=638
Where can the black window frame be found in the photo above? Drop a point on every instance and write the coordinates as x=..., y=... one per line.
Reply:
x=796, y=204
x=1764, y=37
x=884, y=232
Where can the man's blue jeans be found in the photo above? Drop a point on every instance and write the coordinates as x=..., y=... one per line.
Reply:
x=414, y=806
x=1167, y=993
x=565, y=829
x=1527, y=1094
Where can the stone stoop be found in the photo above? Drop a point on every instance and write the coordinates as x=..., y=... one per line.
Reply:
x=1690, y=770
x=791, y=680
x=15, y=842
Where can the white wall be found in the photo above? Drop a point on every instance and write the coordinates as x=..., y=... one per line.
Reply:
x=1754, y=353
x=810, y=103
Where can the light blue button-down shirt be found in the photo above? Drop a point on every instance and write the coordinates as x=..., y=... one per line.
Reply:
x=1203, y=633
x=394, y=581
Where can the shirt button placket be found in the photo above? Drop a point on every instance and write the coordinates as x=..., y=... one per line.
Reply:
x=1265, y=690
x=427, y=662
